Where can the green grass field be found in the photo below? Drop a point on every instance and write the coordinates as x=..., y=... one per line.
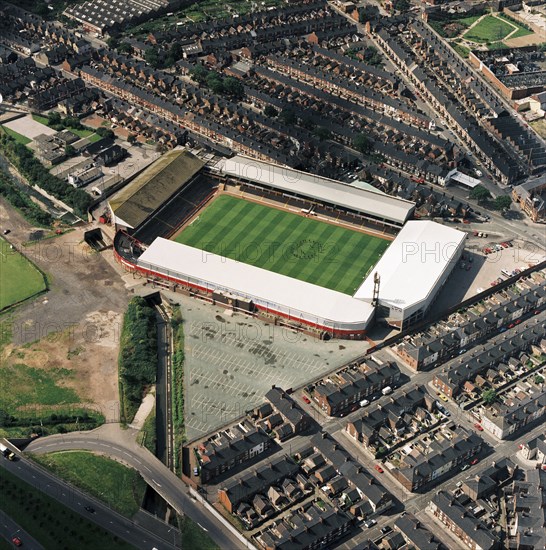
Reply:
x=522, y=31
x=120, y=487
x=293, y=245
x=494, y=29
x=19, y=138
x=19, y=279
x=49, y=522
x=82, y=133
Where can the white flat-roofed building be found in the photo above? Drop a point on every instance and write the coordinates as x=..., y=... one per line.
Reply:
x=381, y=208
x=412, y=271
x=299, y=302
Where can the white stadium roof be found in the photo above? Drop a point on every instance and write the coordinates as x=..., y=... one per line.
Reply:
x=323, y=189
x=265, y=288
x=413, y=264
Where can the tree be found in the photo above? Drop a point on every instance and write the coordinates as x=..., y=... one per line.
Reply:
x=367, y=13
x=308, y=123
x=288, y=116
x=270, y=111
x=234, y=87
x=69, y=151
x=176, y=51
x=124, y=47
x=112, y=42
x=539, y=379
x=480, y=193
x=131, y=138
x=322, y=133
x=105, y=132
x=489, y=396
x=215, y=83
x=502, y=202
x=402, y=5
x=53, y=117
x=199, y=73
x=152, y=57
x=363, y=144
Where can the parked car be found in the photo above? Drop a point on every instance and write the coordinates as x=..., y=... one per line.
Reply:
x=17, y=541
x=90, y=509
x=475, y=461
x=465, y=467
x=478, y=427
x=441, y=395
x=378, y=468
x=386, y=529
x=364, y=403
x=6, y=231
x=306, y=399
x=370, y=523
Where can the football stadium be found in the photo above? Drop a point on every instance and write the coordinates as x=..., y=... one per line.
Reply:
x=289, y=247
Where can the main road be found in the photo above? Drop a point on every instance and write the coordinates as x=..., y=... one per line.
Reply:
x=10, y=529
x=116, y=443
x=76, y=500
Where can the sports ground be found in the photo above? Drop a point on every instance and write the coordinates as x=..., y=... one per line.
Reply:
x=290, y=244
x=19, y=279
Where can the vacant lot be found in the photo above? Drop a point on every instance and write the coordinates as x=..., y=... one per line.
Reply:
x=19, y=279
x=48, y=521
x=120, y=487
x=286, y=243
x=68, y=340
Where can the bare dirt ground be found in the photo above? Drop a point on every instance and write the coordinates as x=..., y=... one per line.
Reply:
x=521, y=41
x=76, y=325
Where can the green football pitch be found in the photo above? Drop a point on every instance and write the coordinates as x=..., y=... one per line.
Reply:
x=19, y=279
x=303, y=248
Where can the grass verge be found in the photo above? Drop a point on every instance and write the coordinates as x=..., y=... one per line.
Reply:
x=193, y=536
x=147, y=437
x=118, y=486
x=19, y=138
x=48, y=521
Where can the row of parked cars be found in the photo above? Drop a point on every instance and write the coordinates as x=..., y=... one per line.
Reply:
x=497, y=247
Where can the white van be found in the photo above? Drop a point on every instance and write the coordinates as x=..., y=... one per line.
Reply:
x=386, y=391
